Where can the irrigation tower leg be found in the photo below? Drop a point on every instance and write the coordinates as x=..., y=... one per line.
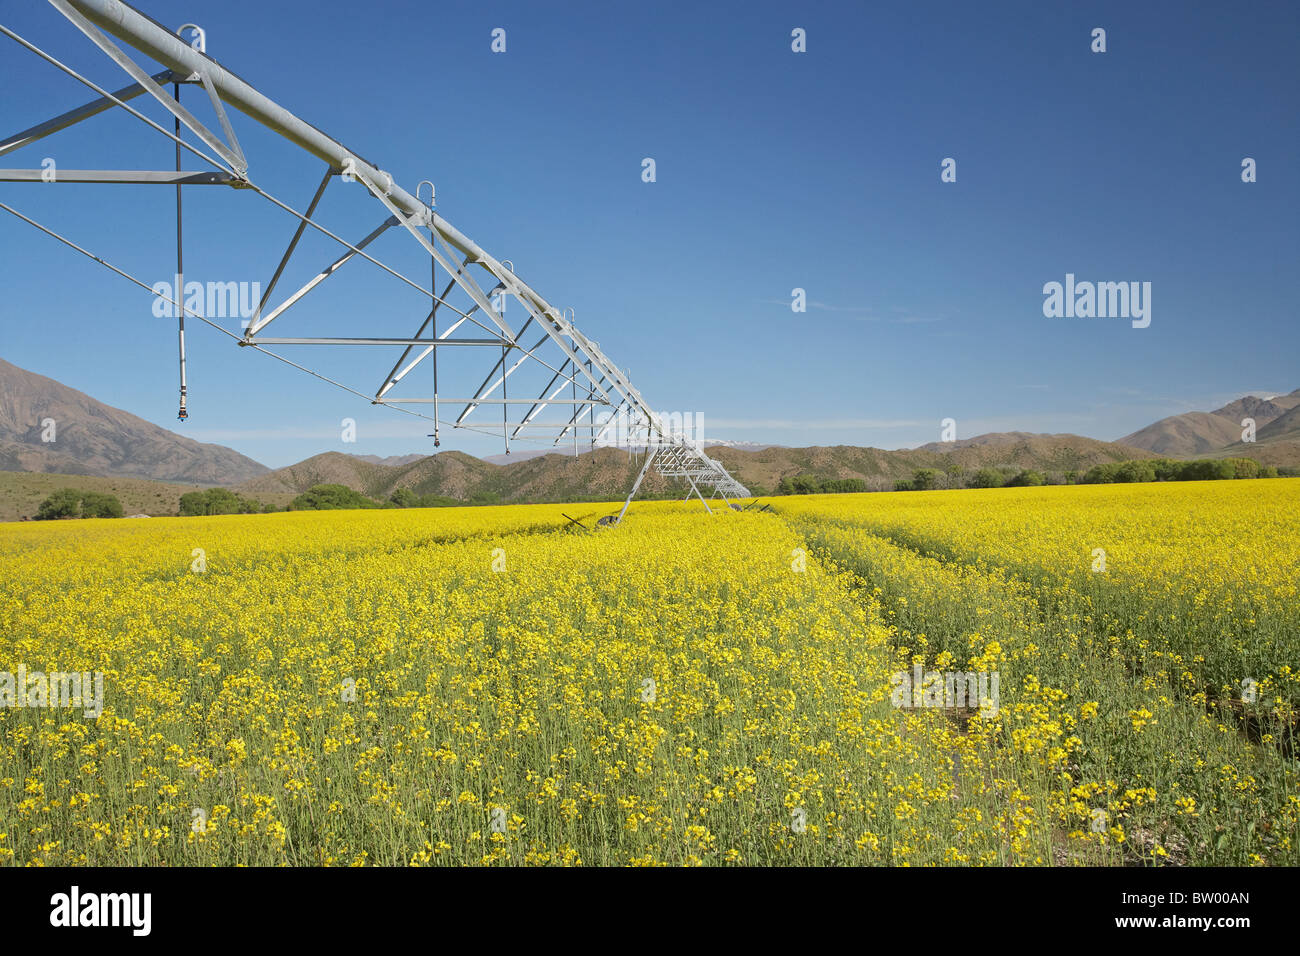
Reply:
x=636, y=484
x=696, y=489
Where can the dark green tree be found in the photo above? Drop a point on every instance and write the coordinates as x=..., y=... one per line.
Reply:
x=63, y=503
x=71, y=503
x=95, y=504
x=1131, y=471
x=1244, y=467
x=331, y=497
x=924, y=479
x=1027, y=479
x=987, y=478
x=404, y=498
x=217, y=501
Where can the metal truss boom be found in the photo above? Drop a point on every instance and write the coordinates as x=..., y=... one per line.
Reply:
x=595, y=380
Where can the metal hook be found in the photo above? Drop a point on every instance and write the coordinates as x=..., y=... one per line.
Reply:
x=509, y=265
x=432, y=201
x=200, y=41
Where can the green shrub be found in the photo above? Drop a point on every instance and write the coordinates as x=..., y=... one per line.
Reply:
x=843, y=486
x=71, y=503
x=1244, y=467
x=987, y=478
x=1139, y=470
x=95, y=504
x=404, y=498
x=1103, y=474
x=1027, y=479
x=1207, y=469
x=438, y=501
x=924, y=479
x=63, y=503
x=331, y=498
x=217, y=501
x=1167, y=469
x=812, y=485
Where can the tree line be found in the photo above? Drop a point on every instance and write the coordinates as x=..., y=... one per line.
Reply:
x=1007, y=476
x=75, y=503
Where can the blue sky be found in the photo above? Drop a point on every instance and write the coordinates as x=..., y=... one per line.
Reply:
x=775, y=170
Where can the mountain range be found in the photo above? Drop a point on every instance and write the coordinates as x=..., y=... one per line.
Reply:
x=97, y=442
x=607, y=473
x=1220, y=432
x=46, y=426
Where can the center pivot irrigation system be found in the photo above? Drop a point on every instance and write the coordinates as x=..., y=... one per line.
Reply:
x=556, y=352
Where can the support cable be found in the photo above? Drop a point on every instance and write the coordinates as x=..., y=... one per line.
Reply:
x=238, y=338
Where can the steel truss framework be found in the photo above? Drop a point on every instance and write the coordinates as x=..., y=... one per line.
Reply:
x=481, y=283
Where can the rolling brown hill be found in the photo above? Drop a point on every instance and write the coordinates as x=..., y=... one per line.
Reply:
x=1285, y=427
x=601, y=474
x=1189, y=435
x=21, y=492
x=607, y=473
x=1277, y=443
x=451, y=473
x=390, y=460
x=328, y=468
x=92, y=438
x=1263, y=410
x=1020, y=450
x=1199, y=434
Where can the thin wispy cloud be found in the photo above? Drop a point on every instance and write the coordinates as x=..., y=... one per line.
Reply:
x=850, y=309
x=1206, y=403
x=366, y=431
x=1265, y=393
x=816, y=423
x=859, y=311
x=864, y=313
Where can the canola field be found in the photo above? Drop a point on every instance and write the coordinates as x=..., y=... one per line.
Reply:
x=496, y=686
